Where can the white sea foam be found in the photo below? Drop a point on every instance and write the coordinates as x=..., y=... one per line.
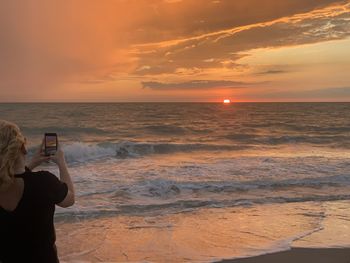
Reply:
x=82, y=152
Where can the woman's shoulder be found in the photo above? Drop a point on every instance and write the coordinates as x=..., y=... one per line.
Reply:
x=48, y=185
x=39, y=175
x=40, y=179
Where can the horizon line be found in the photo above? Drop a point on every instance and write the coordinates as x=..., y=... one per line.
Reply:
x=214, y=102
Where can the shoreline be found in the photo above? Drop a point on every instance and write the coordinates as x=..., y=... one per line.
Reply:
x=300, y=255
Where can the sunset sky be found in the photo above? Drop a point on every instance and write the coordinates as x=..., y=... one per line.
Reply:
x=173, y=50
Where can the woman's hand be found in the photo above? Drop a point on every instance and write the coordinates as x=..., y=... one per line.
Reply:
x=38, y=158
x=58, y=157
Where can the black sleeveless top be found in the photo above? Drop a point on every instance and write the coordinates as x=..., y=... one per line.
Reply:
x=27, y=234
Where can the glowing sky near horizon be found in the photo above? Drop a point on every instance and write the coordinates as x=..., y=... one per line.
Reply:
x=174, y=50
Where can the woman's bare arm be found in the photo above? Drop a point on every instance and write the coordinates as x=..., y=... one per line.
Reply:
x=59, y=159
x=65, y=177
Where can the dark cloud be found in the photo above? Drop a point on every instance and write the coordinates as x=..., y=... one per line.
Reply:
x=329, y=24
x=335, y=93
x=196, y=84
x=272, y=72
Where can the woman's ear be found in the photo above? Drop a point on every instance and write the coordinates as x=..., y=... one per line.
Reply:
x=24, y=149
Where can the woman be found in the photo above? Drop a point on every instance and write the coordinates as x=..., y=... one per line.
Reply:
x=28, y=199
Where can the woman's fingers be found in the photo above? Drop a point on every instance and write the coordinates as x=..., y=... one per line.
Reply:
x=58, y=145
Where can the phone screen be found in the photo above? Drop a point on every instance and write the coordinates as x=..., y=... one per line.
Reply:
x=50, y=143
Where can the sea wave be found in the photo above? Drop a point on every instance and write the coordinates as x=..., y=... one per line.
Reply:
x=132, y=149
x=159, y=196
x=84, y=152
x=184, y=205
x=162, y=189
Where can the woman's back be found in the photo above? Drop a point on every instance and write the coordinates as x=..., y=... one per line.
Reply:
x=27, y=233
x=10, y=199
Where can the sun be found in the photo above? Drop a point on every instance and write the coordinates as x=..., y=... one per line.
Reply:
x=227, y=101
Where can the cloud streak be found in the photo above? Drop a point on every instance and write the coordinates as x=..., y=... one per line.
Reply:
x=196, y=84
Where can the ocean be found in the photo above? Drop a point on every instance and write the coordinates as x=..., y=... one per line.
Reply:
x=196, y=182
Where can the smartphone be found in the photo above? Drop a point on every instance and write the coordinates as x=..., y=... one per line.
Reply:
x=50, y=143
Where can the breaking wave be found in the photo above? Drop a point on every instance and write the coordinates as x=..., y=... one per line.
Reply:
x=84, y=152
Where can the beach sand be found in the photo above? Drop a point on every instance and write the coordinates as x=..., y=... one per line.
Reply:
x=300, y=255
x=208, y=235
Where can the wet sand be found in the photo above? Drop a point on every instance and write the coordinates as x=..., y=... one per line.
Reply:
x=300, y=255
x=210, y=235
x=205, y=235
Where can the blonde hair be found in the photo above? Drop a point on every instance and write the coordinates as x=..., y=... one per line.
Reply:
x=11, y=142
